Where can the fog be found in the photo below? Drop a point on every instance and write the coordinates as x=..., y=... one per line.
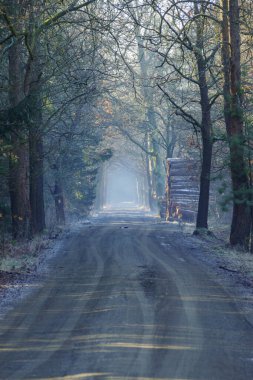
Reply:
x=122, y=189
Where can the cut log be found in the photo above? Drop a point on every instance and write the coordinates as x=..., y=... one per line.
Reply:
x=182, y=190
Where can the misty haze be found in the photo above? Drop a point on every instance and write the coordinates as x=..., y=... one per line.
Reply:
x=121, y=189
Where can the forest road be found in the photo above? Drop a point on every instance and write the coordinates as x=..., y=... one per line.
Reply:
x=126, y=301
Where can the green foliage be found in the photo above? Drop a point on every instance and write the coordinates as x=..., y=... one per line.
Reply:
x=223, y=188
x=106, y=154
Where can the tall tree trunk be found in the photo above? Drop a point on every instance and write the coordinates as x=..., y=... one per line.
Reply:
x=19, y=157
x=32, y=85
x=150, y=182
x=241, y=220
x=171, y=139
x=203, y=204
x=207, y=146
x=154, y=165
x=158, y=181
x=36, y=181
x=206, y=128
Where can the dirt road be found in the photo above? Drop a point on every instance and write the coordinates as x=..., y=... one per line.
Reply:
x=126, y=301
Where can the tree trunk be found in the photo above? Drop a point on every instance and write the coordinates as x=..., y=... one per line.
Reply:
x=158, y=181
x=203, y=204
x=149, y=174
x=207, y=147
x=171, y=139
x=59, y=202
x=36, y=166
x=149, y=183
x=206, y=130
x=36, y=181
x=32, y=87
x=241, y=220
x=19, y=158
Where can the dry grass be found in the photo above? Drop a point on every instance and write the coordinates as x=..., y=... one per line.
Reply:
x=21, y=256
x=237, y=261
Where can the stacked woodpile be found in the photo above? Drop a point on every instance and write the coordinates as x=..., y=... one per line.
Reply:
x=182, y=189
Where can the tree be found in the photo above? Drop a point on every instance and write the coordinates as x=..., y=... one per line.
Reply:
x=187, y=45
x=27, y=24
x=233, y=113
x=18, y=155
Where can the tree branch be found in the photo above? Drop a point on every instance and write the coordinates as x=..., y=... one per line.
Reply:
x=185, y=114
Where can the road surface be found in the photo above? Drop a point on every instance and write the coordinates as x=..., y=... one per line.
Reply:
x=126, y=301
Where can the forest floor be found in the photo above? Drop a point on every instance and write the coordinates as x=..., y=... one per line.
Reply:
x=21, y=265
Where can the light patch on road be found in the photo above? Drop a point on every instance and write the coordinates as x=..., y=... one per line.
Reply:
x=78, y=376
x=17, y=286
x=249, y=359
x=144, y=378
x=148, y=346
